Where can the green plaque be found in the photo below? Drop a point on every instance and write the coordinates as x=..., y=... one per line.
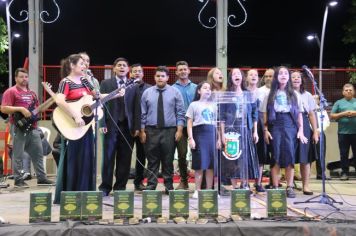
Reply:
x=276, y=202
x=92, y=205
x=123, y=204
x=40, y=207
x=178, y=203
x=152, y=204
x=208, y=203
x=70, y=208
x=240, y=202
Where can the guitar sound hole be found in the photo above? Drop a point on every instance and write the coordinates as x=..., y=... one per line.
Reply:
x=87, y=111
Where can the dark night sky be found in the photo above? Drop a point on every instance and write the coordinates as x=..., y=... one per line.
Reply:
x=164, y=31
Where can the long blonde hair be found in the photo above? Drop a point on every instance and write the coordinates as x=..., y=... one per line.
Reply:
x=210, y=80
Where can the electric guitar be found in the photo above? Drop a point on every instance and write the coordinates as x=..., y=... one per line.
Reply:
x=25, y=124
x=85, y=107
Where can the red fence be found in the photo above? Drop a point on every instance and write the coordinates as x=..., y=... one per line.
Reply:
x=333, y=79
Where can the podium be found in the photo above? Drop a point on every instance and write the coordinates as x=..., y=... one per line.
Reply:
x=235, y=158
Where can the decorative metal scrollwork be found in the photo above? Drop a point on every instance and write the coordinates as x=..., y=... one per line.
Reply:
x=211, y=19
x=230, y=17
x=233, y=16
x=44, y=12
x=22, y=12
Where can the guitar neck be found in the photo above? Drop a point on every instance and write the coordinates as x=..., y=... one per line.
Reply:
x=106, y=98
x=43, y=106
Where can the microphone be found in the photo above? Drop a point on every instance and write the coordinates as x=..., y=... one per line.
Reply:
x=136, y=81
x=309, y=74
x=307, y=71
x=90, y=73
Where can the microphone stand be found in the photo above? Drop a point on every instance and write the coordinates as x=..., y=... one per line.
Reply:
x=324, y=198
x=96, y=130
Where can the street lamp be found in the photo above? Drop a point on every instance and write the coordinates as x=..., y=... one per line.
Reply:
x=315, y=37
x=331, y=4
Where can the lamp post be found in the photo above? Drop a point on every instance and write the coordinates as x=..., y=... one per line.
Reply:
x=8, y=26
x=331, y=4
x=316, y=38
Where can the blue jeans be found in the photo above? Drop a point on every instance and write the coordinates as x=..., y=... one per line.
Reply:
x=32, y=144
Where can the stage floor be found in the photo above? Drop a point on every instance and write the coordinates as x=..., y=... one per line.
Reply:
x=14, y=203
x=14, y=209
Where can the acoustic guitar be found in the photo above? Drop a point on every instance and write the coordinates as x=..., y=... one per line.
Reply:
x=85, y=107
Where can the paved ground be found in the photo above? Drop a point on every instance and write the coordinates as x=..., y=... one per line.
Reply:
x=14, y=204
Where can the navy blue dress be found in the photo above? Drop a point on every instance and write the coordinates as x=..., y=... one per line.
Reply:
x=246, y=166
x=284, y=133
x=77, y=164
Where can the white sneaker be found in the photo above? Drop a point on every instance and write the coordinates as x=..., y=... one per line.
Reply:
x=195, y=194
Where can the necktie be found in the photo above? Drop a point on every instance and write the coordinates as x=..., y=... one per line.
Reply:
x=160, y=110
x=121, y=102
x=121, y=83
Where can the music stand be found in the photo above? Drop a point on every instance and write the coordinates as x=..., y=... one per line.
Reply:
x=324, y=198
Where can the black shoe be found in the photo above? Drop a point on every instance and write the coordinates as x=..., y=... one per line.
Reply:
x=308, y=193
x=319, y=177
x=344, y=177
x=27, y=176
x=150, y=187
x=46, y=182
x=21, y=184
x=140, y=187
x=166, y=191
x=259, y=188
x=290, y=192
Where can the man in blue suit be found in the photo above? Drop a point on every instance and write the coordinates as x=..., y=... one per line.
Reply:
x=115, y=125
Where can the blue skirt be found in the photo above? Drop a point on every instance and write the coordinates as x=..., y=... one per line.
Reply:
x=284, y=134
x=76, y=166
x=302, y=152
x=246, y=166
x=203, y=154
x=263, y=149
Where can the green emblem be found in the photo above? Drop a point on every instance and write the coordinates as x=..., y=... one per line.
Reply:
x=232, y=149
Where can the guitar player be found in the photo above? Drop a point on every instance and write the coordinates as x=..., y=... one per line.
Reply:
x=19, y=98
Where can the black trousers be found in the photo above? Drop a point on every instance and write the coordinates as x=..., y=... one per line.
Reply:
x=117, y=152
x=345, y=142
x=140, y=162
x=159, y=147
x=182, y=149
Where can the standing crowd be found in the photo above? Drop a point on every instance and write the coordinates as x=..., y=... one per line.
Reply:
x=278, y=127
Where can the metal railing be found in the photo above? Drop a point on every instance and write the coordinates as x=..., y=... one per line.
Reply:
x=333, y=79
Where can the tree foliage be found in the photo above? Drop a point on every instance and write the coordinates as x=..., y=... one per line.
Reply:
x=350, y=38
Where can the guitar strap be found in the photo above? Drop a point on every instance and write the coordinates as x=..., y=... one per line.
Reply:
x=35, y=101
